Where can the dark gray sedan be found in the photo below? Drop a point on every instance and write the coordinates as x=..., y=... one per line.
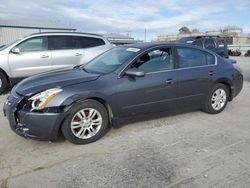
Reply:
x=125, y=81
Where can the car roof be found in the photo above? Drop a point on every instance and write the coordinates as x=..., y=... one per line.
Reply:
x=191, y=38
x=66, y=33
x=146, y=45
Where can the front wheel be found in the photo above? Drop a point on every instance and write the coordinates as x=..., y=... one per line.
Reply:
x=217, y=99
x=87, y=122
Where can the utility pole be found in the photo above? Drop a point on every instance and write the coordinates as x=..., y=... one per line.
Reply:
x=128, y=33
x=145, y=35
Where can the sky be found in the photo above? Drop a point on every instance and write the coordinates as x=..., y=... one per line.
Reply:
x=158, y=17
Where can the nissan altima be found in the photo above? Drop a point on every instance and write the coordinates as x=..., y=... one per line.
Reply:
x=83, y=102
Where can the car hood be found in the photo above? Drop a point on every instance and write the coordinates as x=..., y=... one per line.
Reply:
x=50, y=80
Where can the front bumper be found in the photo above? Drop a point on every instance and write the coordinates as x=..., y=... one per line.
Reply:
x=34, y=125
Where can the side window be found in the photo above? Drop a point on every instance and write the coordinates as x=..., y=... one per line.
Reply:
x=88, y=42
x=221, y=43
x=156, y=60
x=34, y=44
x=62, y=42
x=210, y=59
x=209, y=44
x=189, y=57
x=198, y=43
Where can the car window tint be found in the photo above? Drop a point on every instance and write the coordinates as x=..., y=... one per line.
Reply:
x=189, y=57
x=63, y=42
x=198, y=43
x=156, y=60
x=209, y=44
x=220, y=42
x=210, y=59
x=88, y=42
x=34, y=44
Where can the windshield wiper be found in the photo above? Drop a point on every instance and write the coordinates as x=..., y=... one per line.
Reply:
x=76, y=67
x=85, y=70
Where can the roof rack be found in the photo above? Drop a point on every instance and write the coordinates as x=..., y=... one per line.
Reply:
x=66, y=32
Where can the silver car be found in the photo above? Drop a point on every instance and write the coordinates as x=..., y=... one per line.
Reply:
x=44, y=52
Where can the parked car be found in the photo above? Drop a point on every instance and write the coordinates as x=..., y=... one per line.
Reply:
x=43, y=52
x=213, y=43
x=234, y=52
x=122, y=82
x=247, y=54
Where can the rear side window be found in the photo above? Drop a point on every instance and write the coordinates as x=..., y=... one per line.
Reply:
x=34, y=44
x=189, y=57
x=198, y=43
x=88, y=42
x=62, y=42
x=209, y=44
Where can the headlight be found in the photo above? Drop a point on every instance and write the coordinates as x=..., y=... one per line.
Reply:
x=40, y=100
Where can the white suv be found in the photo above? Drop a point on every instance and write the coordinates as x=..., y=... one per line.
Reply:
x=43, y=52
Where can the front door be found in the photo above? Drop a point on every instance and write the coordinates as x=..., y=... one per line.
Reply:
x=34, y=58
x=154, y=92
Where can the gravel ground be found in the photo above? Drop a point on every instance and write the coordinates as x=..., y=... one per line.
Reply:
x=191, y=149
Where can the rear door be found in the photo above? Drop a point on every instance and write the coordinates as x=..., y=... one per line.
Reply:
x=196, y=72
x=92, y=47
x=65, y=51
x=34, y=58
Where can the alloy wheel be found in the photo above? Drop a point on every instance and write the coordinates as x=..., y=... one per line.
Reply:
x=86, y=123
x=218, y=99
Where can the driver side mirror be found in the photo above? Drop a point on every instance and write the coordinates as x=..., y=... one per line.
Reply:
x=135, y=72
x=15, y=50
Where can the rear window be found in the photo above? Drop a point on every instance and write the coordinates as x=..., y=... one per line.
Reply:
x=88, y=42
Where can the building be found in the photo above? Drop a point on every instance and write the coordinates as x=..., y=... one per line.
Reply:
x=118, y=39
x=173, y=38
x=13, y=30
x=233, y=36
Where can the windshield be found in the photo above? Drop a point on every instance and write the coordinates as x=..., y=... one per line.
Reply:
x=2, y=47
x=110, y=60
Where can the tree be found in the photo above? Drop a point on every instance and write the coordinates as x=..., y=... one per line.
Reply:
x=184, y=30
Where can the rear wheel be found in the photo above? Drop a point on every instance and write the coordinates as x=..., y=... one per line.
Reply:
x=87, y=122
x=217, y=99
x=3, y=82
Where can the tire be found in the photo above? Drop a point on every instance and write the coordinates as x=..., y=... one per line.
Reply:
x=212, y=101
x=79, y=119
x=3, y=82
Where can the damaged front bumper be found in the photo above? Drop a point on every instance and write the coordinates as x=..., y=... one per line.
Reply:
x=34, y=125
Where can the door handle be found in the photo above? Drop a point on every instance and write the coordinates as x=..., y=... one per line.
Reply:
x=170, y=81
x=211, y=73
x=44, y=56
x=78, y=54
